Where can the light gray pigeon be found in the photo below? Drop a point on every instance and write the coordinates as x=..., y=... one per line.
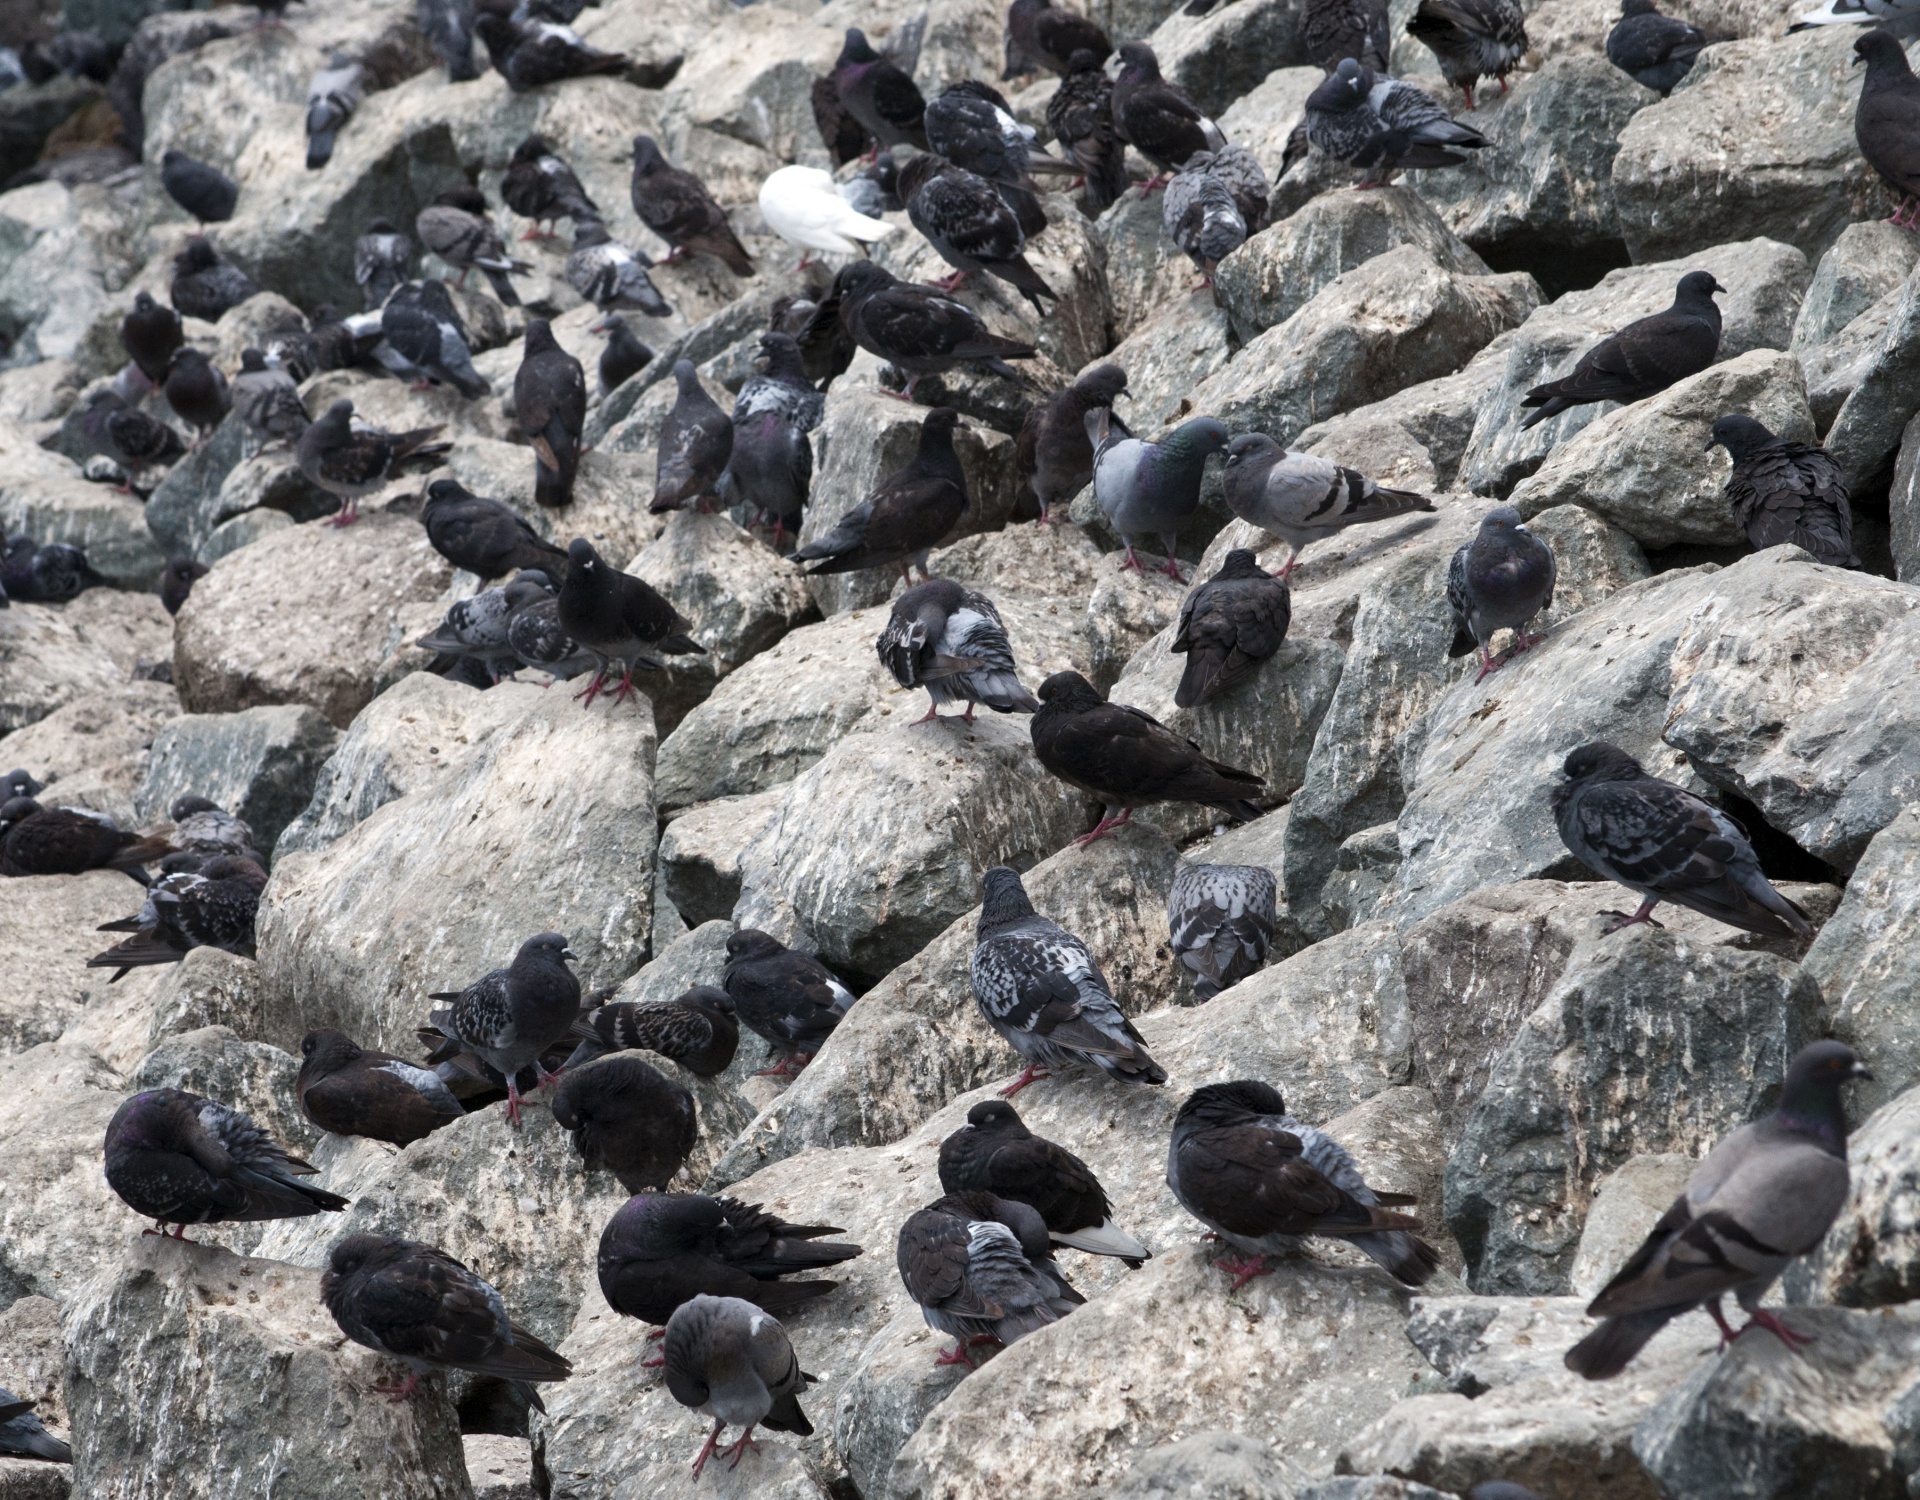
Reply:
x=727, y=1359
x=332, y=97
x=268, y=402
x=1301, y=498
x=508, y=1017
x=1498, y=581
x=696, y=440
x=1383, y=124
x=477, y=628
x=1201, y=216
x=1151, y=489
x=1220, y=919
x=382, y=258
x=1037, y=985
x=1766, y=1194
x=981, y=1269
x=610, y=275
x=949, y=640
x=423, y=340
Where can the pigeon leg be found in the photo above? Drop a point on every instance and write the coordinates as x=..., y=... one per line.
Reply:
x=1487, y=665
x=967, y=717
x=1132, y=561
x=655, y=1335
x=626, y=686
x=1104, y=828
x=1031, y=1073
x=653, y=1364
x=1644, y=913
x=906, y=575
x=952, y=281
x=348, y=513
x=1154, y=183
x=513, y=1104
x=1467, y=89
x=957, y=1355
x=1172, y=569
x=1503, y=83
x=707, y=1451
x=782, y=1069
x=461, y=282
x=1287, y=567
x=1771, y=1322
x=396, y=1393
x=592, y=689
x=1727, y=1331
x=676, y=254
x=1243, y=1271
x=746, y=1442
x=932, y=713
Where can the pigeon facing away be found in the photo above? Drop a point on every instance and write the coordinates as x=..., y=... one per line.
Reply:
x=624, y=357
x=728, y=1360
x=995, y=1153
x=1886, y=121
x=205, y=286
x=550, y=404
x=965, y=218
x=536, y=635
x=1766, y=1194
x=1080, y=115
x=22, y=1435
x=1786, y=492
x=448, y=25
x=1498, y=581
x=1155, y=117
x=1151, y=488
x=47, y=572
x=200, y=827
x=1201, y=217
x=457, y=228
x=981, y=1269
x=1220, y=921
x=214, y=907
x=425, y=341
x=805, y=207
x=696, y=440
x=151, y=333
x=1383, y=124
x=177, y=582
x=677, y=206
x=36, y=840
x=915, y=328
x=332, y=97
x=179, y=1159
x=972, y=126
x=352, y=460
x=771, y=463
x=949, y=640
x=203, y=191
x=1652, y=49
x=1040, y=34
x=905, y=515
x=382, y=259
x=1642, y=359
x=268, y=401
x=1301, y=498
x=1337, y=29
x=350, y=1090
x=1128, y=758
x=127, y=435
x=1054, y=454
x=1664, y=842
x=1263, y=1181
x=1228, y=626
x=422, y=1307
x=846, y=139
x=1472, y=39
x=878, y=93
x=628, y=1118
x=1037, y=985
x=611, y=275
x=791, y=999
x=539, y=185
x=698, y=1030
x=484, y=536
x=617, y=617
x=532, y=53
x=509, y=1017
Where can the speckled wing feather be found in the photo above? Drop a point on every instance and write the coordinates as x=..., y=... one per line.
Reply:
x=1220, y=919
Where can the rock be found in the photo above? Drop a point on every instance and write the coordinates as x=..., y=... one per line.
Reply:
x=30, y=1358
x=1127, y=609
x=1369, y=1487
x=242, y=530
x=1868, y=1258
x=56, y=654
x=97, y=745
x=1904, y=506
x=261, y=764
x=1262, y=118
x=189, y=504
x=1146, y=273
x=740, y=594
x=1220, y=56
x=1836, y=368
x=1422, y=432
x=30, y=112
x=250, y=1076
x=57, y=249
x=55, y=929
x=700, y=852
x=1222, y=1464
x=208, y=988
x=1167, y=356
x=1626, y=1204
x=43, y=496
x=1866, y=431
x=1868, y=261
x=499, y=1468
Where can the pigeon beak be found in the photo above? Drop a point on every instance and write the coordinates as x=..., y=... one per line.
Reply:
x=569, y=955
x=1710, y=445
x=1862, y=1071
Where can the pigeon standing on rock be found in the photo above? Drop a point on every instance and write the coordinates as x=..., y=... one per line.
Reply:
x=213, y=907
x=382, y=259
x=728, y=1360
x=475, y=628
x=787, y=997
x=201, y=827
x=1786, y=492
x=22, y=1434
x=1338, y=29
x=203, y=191
x=1765, y=1195
x=916, y=329
x=268, y=402
x=950, y=640
x=628, y=1118
x=1472, y=39
x=36, y=840
x=878, y=93
x=127, y=435
x=151, y=333
x=617, y=617
x=981, y=1269
x=972, y=126
x=624, y=357
x=425, y=341
x=332, y=97
x=1499, y=581
x=611, y=275
x=696, y=440
x=771, y=463
x=205, y=286
x=1228, y=626
x=352, y=460
x=1652, y=49
x=1054, y=454
x=177, y=582
x=1642, y=359
x=539, y=185
x=351, y=1090
x=1037, y=985
x=1383, y=125
x=1039, y=34
x=1886, y=121
x=536, y=635
x=905, y=515
x=1157, y=118
x=1151, y=488
x=805, y=207
x=1080, y=115
x=532, y=53
x=1201, y=217
x=484, y=536
x=550, y=404
x=845, y=138
x=509, y=1017
x=965, y=218
x=1220, y=921
x=47, y=573
x=448, y=25
x=698, y=1030
x=677, y=206
x=1300, y=498
x=456, y=227
x=1664, y=842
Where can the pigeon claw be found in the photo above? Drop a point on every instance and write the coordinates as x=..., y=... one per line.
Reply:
x=1029, y=1074
x=706, y=1451
x=1104, y=828
x=397, y=1391
x=1243, y=1271
x=739, y=1448
x=1172, y=569
x=1643, y=913
x=1771, y=1322
x=931, y=716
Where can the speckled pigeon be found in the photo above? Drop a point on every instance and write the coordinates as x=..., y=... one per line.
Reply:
x=1201, y=217
x=127, y=435
x=268, y=401
x=539, y=185
x=771, y=465
x=1338, y=29
x=628, y=1118
x=790, y=998
x=966, y=218
x=352, y=1090
x=532, y=53
x=47, y=572
x=950, y=641
x=972, y=125
x=1642, y=359
x=476, y=628
x=1300, y=498
x=36, y=840
x=1383, y=124
x=981, y=1269
x=382, y=259
x=1472, y=39
x=611, y=275
x=1053, y=456
x=1220, y=921
x=423, y=340
x=354, y=459
x=1228, y=626
x=1786, y=492
x=509, y=1016
x=917, y=329
x=677, y=206
x=696, y=440
x=333, y=94
x=1499, y=581
x=1652, y=49
x=212, y=907
x=1080, y=115
x=1151, y=489
x=1155, y=117
x=698, y=1030
x=458, y=227
x=728, y=1360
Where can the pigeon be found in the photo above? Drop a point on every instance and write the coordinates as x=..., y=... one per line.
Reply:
x=677, y=206
x=348, y=1090
x=550, y=404
x=332, y=96
x=1642, y=359
x=214, y=907
x=1300, y=497
x=382, y=259
x=151, y=333
x=1383, y=124
x=972, y=126
x=627, y=1118
x=536, y=635
x=845, y=138
x=1886, y=122
x=19, y=783
x=341, y=340
x=201, y=827
x=353, y=460
x=457, y=228
x=950, y=640
x=791, y=999
x=696, y=440
x=995, y=1153
x=1040, y=35
x=127, y=435
x=179, y=1159
x=36, y=840
x=509, y=1017
x=624, y=357
x=1054, y=454
x=805, y=207
x=1337, y=29
x=1228, y=626
x=205, y=286
x=1220, y=921
x=1037, y=985
x=1128, y=758
x=487, y=538
x=532, y=53
x=905, y=515
x=965, y=218
x=1499, y=1489
x=1201, y=217
x=22, y=1435
x=611, y=275
x=422, y=1307
x=915, y=328
x=177, y=582
x=1896, y=16
x=728, y=1360
x=1498, y=581
x=617, y=617
x=1765, y=1195
x=1151, y=487
x=448, y=26
x=878, y=93
x=475, y=628
x=203, y=191
x=1652, y=49
x=76, y=54
x=47, y=572
x=1262, y=1181
x=423, y=340
x=268, y=401
x=698, y=1031
x=771, y=463
x=1245, y=180
x=1666, y=843
x=539, y=185
x=981, y=1269
x=1783, y=491
x=1080, y=115
x=1472, y=39
x=1155, y=117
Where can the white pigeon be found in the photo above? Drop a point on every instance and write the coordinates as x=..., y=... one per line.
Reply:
x=804, y=207
x=1901, y=17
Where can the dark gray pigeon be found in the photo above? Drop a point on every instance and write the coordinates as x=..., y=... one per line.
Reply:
x=448, y=25
x=205, y=286
x=484, y=536
x=22, y=1435
x=1200, y=215
x=1080, y=116
x=151, y=333
x=1500, y=1489
x=1383, y=125
x=332, y=96
x=696, y=440
x=203, y=191
x=268, y=402
x=917, y=329
x=1886, y=121
x=1220, y=920
x=950, y=641
x=771, y=465
x=47, y=572
x=1228, y=626
x=1642, y=359
x=1786, y=492
x=981, y=1269
x=423, y=340
x=176, y=584
x=617, y=617
x=1054, y=454
x=878, y=93
x=1039, y=34
x=382, y=259
x=509, y=1016
x=458, y=228
x=788, y=997
x=1765, y=1195
x=1151, y=489
x=906, y=515
x=1338, y=29
x=1664, y=842
x=727, y=1359
x=127, y=435
x=967, y=220
x=1652, y=49
x=1499, y=581
x=1300, y=498
x=550, y=404
x=532, y=53
x=677, y=206
x=1155, y=117
x=627, y=1118
x=353, y=460
x=539, y=185
x=1472, y=39
x=537, y=636
x=476, y=628
x=611, y=275
x=624, y=357
x=356, y=1091
x=698, y=1030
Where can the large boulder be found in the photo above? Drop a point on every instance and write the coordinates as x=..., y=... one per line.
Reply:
x=740, y=594
x=260, y=764
x=1221, y=54
x=53, y=931
x=43, y=496
x=1866, y=431
x=1848, y=359
x=58, y=249
x=93, y=751
x=52, y=655
x=1868, y=261
x=1871, y=1255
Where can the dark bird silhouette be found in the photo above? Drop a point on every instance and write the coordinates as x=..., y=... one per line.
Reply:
x=151, y=333
x=696, y=440
x=1053, y=456
x=22, y=1435
x=1499, y=581
x=879, y=94
x=425, y=341
x=539, y=185
x=203, y=191
x=1886, y=121
x=533, y=53
x=1642, y=359
x=1228, y=626
x=698, y=1030
x=771, y=464
x=1653, y=49
x=728, y=1360
x=981, y=1269
x=624, y=357
x=47, y=572
x=845, y=137
x=1040, y=34
x=177, y=582
x=448, y=25
x=967, y=220
x=917, y=329
x=677, y=206
x=212, y=907
x=1337, y=29
x=36, y=840
x=205, y=286
x=791, y=999
x=456, y=227
x=268, y=402
x=617, y=617
x=509, y=1017
x=484, y=536
x=1782, y=491
x=627, y=1118
x=905, y=515
x=353, y=460
x=550, y=404
x=1080, y=115
x=950, y=641
x=352, y=1090
x=1472, y=39
x=1155, y=117
x=1220, y=921
x=127, y=435
x=382, y=259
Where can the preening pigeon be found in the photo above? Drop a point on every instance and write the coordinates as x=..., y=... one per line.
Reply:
x=805, y=207
x=1201, y=217
x=696, y=440
x=539, y=185
x=509, y=1016
x=1301, y=498
x=1128, y=758
x=981, y=1269
x=268, y=401
x=457, y=227
x=203, y=191
x=878, y=93
x=915, y=328
x=967, y=220
x=204, y=286
x=1383, y=124
x=1642, y=359
x=1220, y=921
x=47, y=572
x=950, y=640
x=1228, y=626
x=382, y=259
x=972, y=126
x=179, y=1159
x=332, y=96
x=352, y=1090
x=1664, y=842
x=151, y=333
x=177, y=582
x=1653, y=49
x=448, y=25
x=1263, y=1181
x=1499, y=581
x=213, y=907
x=617, y=617
x=788, y=997
x=1080, y=115
x=1155, y=117
x=698, y=1030
x=127, y=435
x=476, y=628
x=536, y=634
x=1037, y=985
x=624, y=357
x=1054, y=454
x=532, y=53
x=728, y=1360
x=1151, y=488
x=611, y=275
x=550, y=404
x=905, y=515
x=423, y=340
x=1040, y=34
x=1766, y=1194
x=36, y=840
x=628, y=1118
x=23, y=1435
x=200, y=827
x=353, y=460
x=845, y=137
x=1338, y=29
x=677, y=206
x=1472, y=39
x=771, y=465
x=484, y=536
x=1786, y=492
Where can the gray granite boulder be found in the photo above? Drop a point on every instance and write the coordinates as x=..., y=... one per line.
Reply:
x=261, y=764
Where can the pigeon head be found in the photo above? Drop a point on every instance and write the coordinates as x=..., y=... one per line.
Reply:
x=172, y=158
x=1503, y=518
x=1882, y=53
x=1241, y=563
x=150, y=1119
x=782, y=353
x=1070, y=691
x=337, y=417
x=1138, y=64
x=253, y=362
x=921, y=170
x=235, y=867
x=686, y=377
x=646, y=154
x=1251, y=447
x=590, y=233
x=195, y=255
x=18, y=783
x=190, y=357
x=185, y=807
x=1636, y=7
x=327, y=1051
x=1345, y=88
x=709, y=998
x=1810, y=1096
x=856, y=48
x=351, y=1255
x=379, y=225
x=446, y=492
x=938, y=428
x=1601, y=762
x=1229, y=1103
x=750, y=942
x=1698, y=284
x=581, y=557
x=1101, y=385
x=860, y=279
x=540, y=339
x=143, y=302
x=17, y=807
x=1741, y=436
x=1083, y=60
x=467, y=198
x=532, y=149
x=1003, y=897
x=998, y=1117
x=547, y=947
x=1196, y=439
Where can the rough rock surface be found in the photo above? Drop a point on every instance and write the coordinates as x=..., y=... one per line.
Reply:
x=259, y=764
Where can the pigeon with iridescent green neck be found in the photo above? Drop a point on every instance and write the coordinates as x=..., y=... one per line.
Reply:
x=1151, y=489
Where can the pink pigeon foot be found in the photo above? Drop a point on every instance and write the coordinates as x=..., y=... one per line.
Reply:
x=1243, y=1271
x=1644, y=913
x=1031, y=1073
x=1771, y=1322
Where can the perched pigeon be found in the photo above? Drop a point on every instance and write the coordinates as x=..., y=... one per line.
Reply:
x=1300, y=498
x=805, y=207
x=1245, y=180
x=1642, y=359
x=728, y=1360
x=1080, y=115
x=1766, y=1194
x=47, y=572
x=1652, y=49
x=448, y=25
x=177, y=582
x=771, y=464
x=696, y=440
x=151, y=333
x=1786, y=492
x=878, y=93
x=1228, y=626
x=915, y=328
x=611, y=275
x=268, y=402
x=538, y=638
x=624, y=357
x=203, y=191
x=484, y=536
x=1151, y=488
x=22, y=1435
x=1054, y=454
x=19, y=783
x=1037, y=985
x=205, y=286
x=1128, y=758
x=1220, y=921
x=532, y=53
x=349, y=1090
x=1498, y=581
x=1263, y=1181
x=627, y=1118
x=342, y=340
x=981, y=1269
x=476, y=628
x=1664, y=842
x=698, y=1031
x=509, y=1017
x=353, y=460
x=424, y=1308
x=1383, y=124
x=1472, y=39
x=1040, y=34
x=905, y=515
x=332, y=97
x=36, y=840
x=995, y=1153
x=456, y=227
x=425, y=341
x=965, y=218
x=1201, y=217
x=677, y=206
x=127, y=435
x=382, y=259
x=1338, y=29
x=201, y=827
x=214, y=907
x=617, y=617
x=1897, y=16
x=791, y=999
x=972, y=126
x=550, y=404
x=1155, y=117
x=539, y=185
x=845, y=138
x=949, y=640
x=179, y=1159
